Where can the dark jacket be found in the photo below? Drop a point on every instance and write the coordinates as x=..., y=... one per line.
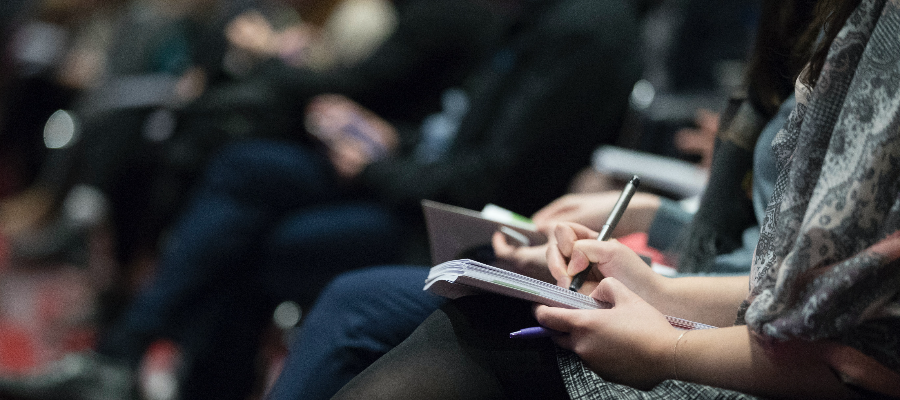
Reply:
x=436, y=44
x=557, y=89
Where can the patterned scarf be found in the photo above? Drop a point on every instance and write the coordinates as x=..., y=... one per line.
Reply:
x=827, y=265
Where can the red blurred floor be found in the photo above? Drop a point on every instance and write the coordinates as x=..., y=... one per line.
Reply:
x=48, y=310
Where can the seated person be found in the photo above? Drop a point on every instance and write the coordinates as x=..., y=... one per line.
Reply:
x=171, y=100
x=363, y=314
x=265, y=204
x=817, y=320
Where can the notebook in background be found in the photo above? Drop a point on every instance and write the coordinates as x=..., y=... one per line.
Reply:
x=456, y=232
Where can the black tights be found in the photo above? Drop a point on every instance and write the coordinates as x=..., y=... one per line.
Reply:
x=463, y=351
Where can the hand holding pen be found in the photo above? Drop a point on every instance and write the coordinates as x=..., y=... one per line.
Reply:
x=614, y=216
x=565, y=235
x=571, y=234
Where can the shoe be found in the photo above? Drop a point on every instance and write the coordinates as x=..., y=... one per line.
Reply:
x=81, y=376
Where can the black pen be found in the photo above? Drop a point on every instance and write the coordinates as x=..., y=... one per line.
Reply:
x=607, y=229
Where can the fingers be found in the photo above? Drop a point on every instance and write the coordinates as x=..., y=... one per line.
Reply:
x=324, y=103
x=577, y=263
x=610, y=290
x=574, y=323
x=324, y=117
x=251, y=31
x=502, y=249
x=556, y=318
x=558, y=265
x=552, y=211
x=348, y=157
x=530, y=261
x=565, y=235
x=545, y=226
x=332, y=118
x=707, y=120
x=565, y=238
x=595, y=251
x=607, y=259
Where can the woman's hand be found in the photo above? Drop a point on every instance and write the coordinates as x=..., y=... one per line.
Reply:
x=526, y=260
x=701, y=139
x=577, y=247
x=592, y=209
x=630, y=343
x=252, y=32
x=354, y=136
x=558, y=256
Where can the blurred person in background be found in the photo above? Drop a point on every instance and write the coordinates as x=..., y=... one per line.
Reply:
x=259, y=219
x=51, y=55
x=819, y=317
x=145, y=133
x=180, y=80
x=433, y=43
x=548, y=94
x=361, y=315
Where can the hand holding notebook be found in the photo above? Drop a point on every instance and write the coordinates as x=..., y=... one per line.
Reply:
x=459, y=278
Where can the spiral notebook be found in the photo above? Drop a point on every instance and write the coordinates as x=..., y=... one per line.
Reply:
x=457, y=278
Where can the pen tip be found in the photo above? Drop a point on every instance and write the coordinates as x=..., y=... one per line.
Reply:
x=636, y=181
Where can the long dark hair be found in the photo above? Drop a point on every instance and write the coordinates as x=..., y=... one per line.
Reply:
x=791, y=35
x=775, y=61
x=830, y=18
x=784, y=45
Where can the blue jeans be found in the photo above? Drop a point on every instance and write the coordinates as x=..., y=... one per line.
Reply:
x=268, y=221
x=359, y=317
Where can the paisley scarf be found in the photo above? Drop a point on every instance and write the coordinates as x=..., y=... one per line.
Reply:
x=827, y=265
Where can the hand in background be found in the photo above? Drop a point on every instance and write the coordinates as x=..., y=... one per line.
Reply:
x=252, y=33
x=589, y=180
x=191, y=84
x=700, y=140
x=592, y=210
x=354, y=136
x=527, y=260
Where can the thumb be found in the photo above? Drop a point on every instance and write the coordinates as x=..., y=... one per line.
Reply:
x=556, y=318
x=611, y=290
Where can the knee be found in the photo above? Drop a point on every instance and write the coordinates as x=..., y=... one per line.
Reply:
x=228, y=163
x=254, y=165
x=360, y=296
x=347, y=289
x=235, y=158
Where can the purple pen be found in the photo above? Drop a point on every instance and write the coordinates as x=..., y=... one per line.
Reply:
x=533, y=333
